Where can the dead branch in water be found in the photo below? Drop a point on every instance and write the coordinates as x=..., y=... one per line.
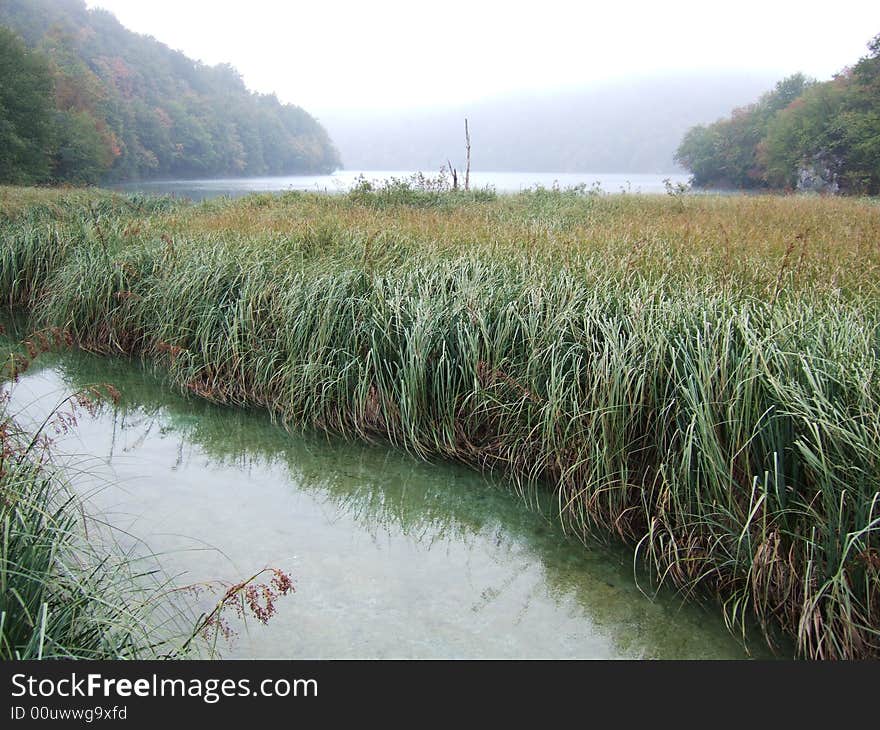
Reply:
x=454, y=174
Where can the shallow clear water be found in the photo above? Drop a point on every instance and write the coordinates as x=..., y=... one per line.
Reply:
x=390, y=556
x=342, y=181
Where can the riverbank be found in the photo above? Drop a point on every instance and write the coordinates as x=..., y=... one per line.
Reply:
x=694, y=375
x=68, y=588
x=60, y=598
x=392, y=556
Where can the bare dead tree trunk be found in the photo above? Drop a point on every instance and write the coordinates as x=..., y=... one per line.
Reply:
x=454, y=173
x=467, y=172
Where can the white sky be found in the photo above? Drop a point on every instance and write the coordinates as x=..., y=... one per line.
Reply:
x=335, y=54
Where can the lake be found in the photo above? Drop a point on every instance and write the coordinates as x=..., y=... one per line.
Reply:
x=342, y=181
x=390, y=556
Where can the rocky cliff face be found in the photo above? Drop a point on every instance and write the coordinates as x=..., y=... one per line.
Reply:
x=817, y=176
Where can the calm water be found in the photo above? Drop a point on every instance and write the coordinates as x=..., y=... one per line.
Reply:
x=391, y=557
x=341, y=181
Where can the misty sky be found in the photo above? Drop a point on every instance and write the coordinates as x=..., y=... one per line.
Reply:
x=374, y=54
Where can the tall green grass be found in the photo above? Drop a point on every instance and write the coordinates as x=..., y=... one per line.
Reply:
x=68, y=590
x=696, y=377
x=60, y=596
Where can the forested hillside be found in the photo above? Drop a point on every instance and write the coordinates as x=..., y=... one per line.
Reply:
x=803, y=135
x=83, y=99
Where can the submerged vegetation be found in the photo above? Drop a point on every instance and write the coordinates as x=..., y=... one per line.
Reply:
x=696, y=376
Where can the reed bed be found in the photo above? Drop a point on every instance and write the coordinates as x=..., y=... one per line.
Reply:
x=61, y=597
x=696, y=376
x=68, y=589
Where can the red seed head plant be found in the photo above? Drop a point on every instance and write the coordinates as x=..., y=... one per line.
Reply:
x=243, y=599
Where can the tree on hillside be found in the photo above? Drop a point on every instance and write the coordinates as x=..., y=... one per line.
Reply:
x=727, y=153
x=129, y=107
x=830, y=138
x=808, y=136
x=861, y=124
x=804, y=145
x=86, y=146
x=82, y=155
x=26, y=112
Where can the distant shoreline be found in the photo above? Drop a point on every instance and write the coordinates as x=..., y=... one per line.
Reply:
x=343, y=180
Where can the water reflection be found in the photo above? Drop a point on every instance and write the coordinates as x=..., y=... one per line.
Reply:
x=391, y=557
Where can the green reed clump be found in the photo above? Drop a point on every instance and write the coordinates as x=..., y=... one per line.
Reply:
x=68, y=593
x=418, y=191
x=60, y=598
x=697, y=379
x=36, y=238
